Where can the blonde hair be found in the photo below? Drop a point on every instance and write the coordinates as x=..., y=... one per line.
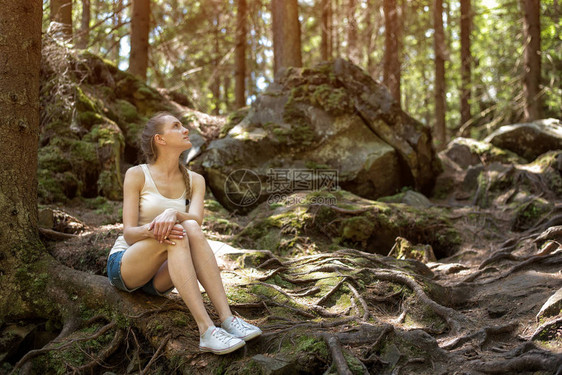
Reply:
x=154, y=126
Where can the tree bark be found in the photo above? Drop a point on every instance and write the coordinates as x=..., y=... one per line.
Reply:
x=83, y=37
x=140, y=27
x=326, y=42
x=532, y=75
x=466, y=60
x=19, y=131
x=439, y=48
x=240, y=72
x=352, y=32
x=286, y=34
x=391, y=64
x=61, y=12
x=115, y=34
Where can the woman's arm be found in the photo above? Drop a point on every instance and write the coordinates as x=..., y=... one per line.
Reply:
x=134, y=180
x=132, y=232
x=197, y=200
x=164, y=224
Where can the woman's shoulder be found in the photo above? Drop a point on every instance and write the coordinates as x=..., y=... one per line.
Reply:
x=135, y=175
x=196, y=177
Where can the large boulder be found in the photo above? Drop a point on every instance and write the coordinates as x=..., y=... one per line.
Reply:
x=529, y=140
x=330, y=126
x=91, y=118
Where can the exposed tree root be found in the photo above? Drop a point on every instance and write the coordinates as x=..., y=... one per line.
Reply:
x=552, y=233
x=473, y=276
x=531, y=260
x=545, y=326
x=541, y=361
x=337, y=356
x=454, y=319
x=105, y=353
x=366, y=313
x=156, y=354
x=498, y=256
x=52, y=346
x=481, y=335
x=332, y=291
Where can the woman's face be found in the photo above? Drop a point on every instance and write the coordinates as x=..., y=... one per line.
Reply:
x=174, y=133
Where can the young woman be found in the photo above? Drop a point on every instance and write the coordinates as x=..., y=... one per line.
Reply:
x=162, y=245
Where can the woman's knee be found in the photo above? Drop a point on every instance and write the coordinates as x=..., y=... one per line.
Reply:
x=192, y=228
x=179, y=244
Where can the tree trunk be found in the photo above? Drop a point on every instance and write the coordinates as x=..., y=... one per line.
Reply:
x=326, y=42
x=83, y=37
x=439, y=48
x=352, y=32
x=61, y=12
x=115, y=34
x=140, y=27
x=286, y=34
x=19, y=132
x=336, y=22
x=466, y=59
x=532, y=75
x=370, y=36
x=391, y=64
x=215, y=77
x=240, y=72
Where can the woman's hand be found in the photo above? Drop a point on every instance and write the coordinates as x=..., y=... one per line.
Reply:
x=164, y=227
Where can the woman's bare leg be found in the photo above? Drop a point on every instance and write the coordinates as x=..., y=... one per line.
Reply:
x=145, y=258
x=207, y=268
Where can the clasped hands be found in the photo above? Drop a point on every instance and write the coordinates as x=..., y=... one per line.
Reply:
x=165, y=227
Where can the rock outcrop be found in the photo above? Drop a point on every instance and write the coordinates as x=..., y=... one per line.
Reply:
x=330, y=124
x=529, y=140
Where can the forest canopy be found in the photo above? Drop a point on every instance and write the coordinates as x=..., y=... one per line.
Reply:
x=192, y=49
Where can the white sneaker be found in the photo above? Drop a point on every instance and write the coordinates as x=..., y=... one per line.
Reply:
x=241, y=329
x=218, y=341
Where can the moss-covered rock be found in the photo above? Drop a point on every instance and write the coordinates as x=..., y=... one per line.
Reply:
x=91, y=113
x=313, y=116
x=297, y=225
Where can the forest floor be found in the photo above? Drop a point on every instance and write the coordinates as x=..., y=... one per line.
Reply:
x=475, y=312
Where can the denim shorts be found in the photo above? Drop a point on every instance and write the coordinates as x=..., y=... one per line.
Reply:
x=115, y=279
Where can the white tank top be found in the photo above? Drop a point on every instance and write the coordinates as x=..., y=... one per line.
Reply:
x=152, y=204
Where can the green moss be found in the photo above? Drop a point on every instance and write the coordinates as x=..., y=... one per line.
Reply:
x=126, y=111
x=84, y=151
x=234, y=119
x=356, y=228
x=52, y=158
x=146, y=93
x=335, y=101
x=528, y=214
x=109, y=185
x=311, y=345
x=50, y=188
x=83, y=102
x=89, y=118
